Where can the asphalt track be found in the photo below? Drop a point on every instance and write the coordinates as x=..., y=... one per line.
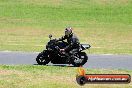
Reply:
x=95, y=61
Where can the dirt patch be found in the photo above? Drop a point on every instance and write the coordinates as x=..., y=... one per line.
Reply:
x=5, y=72
x=105, y=2
x=8, y=72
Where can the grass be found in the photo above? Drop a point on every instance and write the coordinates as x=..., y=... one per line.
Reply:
x=27, y=76
x=105, y=24
x=25, y=24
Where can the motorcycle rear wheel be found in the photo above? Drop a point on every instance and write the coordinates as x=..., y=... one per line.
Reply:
x=82, y=57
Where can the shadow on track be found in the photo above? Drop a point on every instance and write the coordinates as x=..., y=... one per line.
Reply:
x=64, y=65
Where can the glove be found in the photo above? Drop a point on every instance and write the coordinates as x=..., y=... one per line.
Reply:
x=62, y=50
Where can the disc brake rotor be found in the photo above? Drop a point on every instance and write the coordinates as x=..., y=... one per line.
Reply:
x=41, y=59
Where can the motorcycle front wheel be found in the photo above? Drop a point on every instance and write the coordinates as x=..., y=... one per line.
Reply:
x=42, y=58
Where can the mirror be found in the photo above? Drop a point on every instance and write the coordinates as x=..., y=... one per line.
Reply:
x=50, y=36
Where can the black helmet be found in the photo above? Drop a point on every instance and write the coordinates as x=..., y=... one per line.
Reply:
x=68, y=31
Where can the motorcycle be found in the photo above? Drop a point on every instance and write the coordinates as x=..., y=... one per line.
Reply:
x=54, y=55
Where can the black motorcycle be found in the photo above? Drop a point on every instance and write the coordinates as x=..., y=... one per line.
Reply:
x=54, y=55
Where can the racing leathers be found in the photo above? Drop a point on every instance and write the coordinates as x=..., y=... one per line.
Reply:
x=73, y=42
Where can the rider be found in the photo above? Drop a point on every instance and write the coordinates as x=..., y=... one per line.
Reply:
x=73, y=41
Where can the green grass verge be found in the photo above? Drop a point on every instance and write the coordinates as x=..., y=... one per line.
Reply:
x=105, y=24
x=28, y=76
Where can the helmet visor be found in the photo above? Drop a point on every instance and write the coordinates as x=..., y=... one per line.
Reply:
x=66, y=33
